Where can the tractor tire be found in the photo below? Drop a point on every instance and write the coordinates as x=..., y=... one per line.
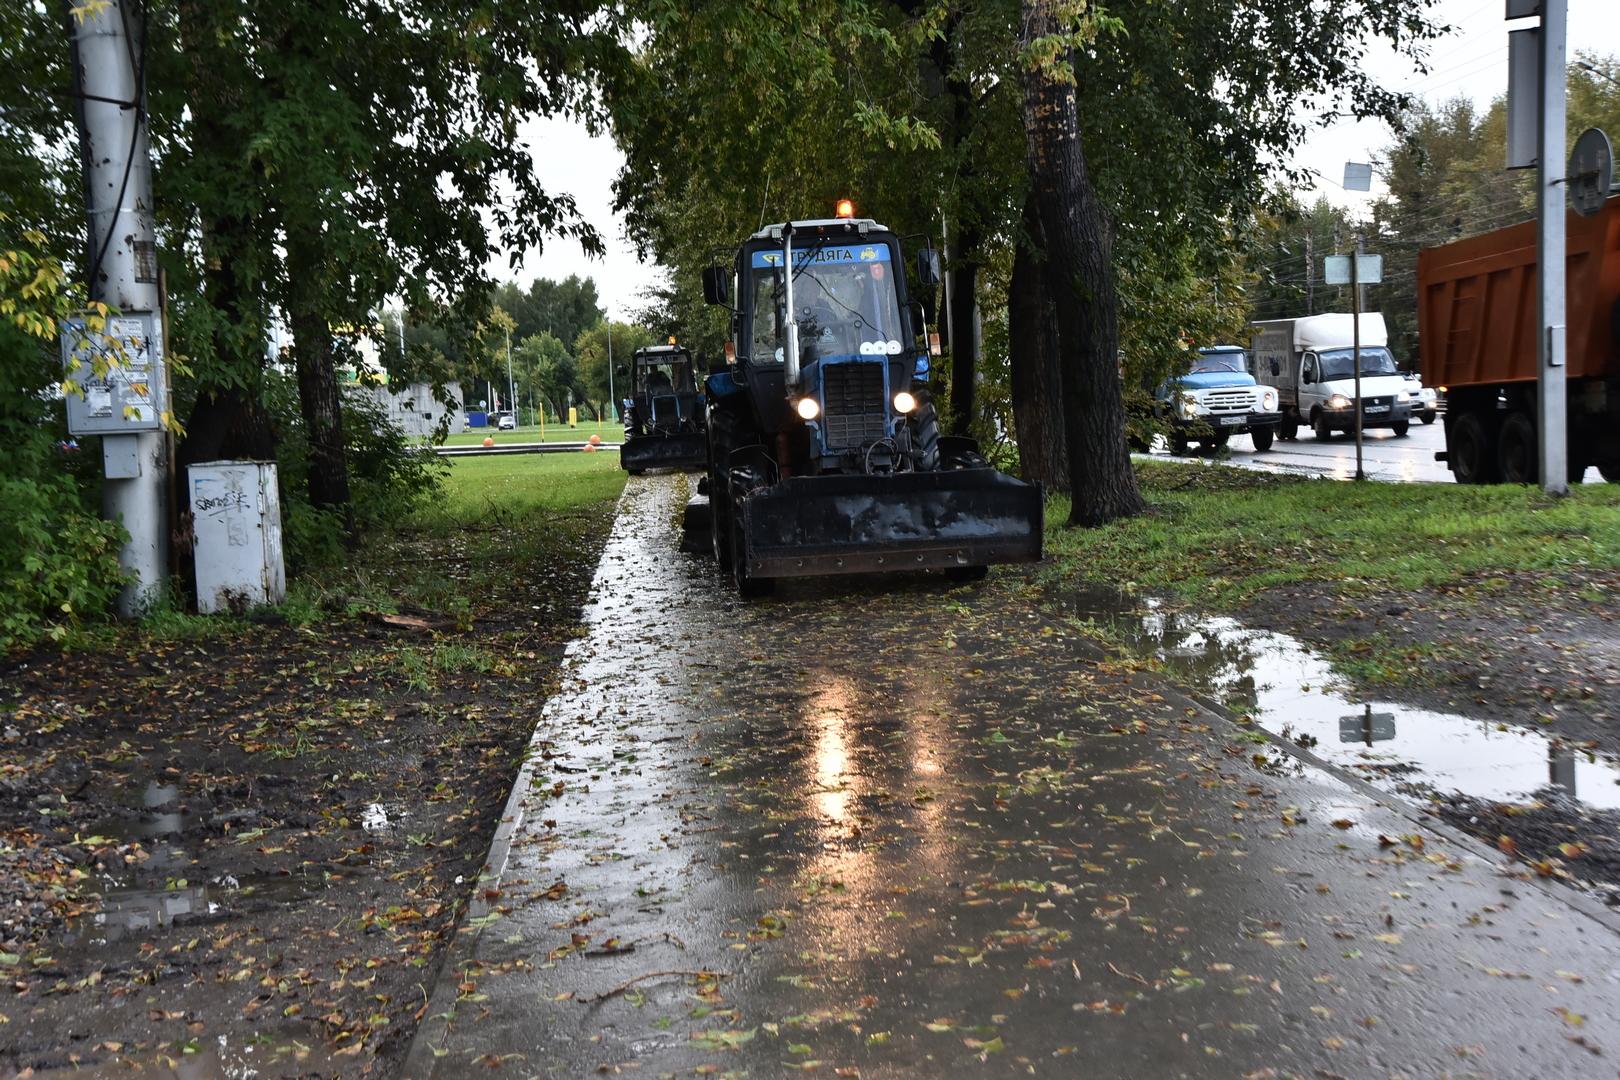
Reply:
x=1319, y=427
x=748, y=586
x=1516, y=450
x=636, y=472
x=925, y=432
x=1262, y=439
x=1401, y=427
x=1471, y=451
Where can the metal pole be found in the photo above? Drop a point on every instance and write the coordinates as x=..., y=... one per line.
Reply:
x=1361, y=290
x=1355, y=350
x=107, y=43
x=1551, y=397
x=1310, y=275
x=511, y=387
x=613, y=402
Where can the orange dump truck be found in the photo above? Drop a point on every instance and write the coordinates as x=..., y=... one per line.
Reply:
x=1477, y=326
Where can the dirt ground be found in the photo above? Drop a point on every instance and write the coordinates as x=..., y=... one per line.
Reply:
x=242, y=854
x=1521, y=648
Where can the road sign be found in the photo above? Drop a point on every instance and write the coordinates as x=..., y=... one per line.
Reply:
x=1591, y=171
x=1357, y=176
x=1369, y=269
x=120, y=372
x=1369, y=727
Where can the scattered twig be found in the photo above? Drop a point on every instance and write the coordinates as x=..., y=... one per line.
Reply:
x=629, y=983
x=1126, y=974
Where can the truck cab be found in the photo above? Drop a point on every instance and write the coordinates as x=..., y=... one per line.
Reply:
x=1311, y=363
x=1216, y=399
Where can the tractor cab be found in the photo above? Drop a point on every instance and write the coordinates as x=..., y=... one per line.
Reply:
x=665, y=397
x=663, y=416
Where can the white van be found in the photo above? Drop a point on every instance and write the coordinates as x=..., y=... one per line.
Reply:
x=1311, y=363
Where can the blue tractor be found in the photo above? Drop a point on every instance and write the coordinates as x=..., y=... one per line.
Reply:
x=663, y=416
x=824, y=449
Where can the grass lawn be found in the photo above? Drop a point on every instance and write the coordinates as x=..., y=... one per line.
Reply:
x=609, y=430
x=1220, y=535
x=522, y=486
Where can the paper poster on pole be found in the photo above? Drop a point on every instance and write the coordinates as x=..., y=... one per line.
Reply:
x=119, y=373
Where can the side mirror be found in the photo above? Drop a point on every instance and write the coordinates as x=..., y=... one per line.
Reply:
x=716, y=285
x=928, y=266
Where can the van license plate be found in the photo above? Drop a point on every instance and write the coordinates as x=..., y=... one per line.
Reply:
x=1378, y=408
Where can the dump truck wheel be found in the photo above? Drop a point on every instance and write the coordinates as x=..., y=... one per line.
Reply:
x=1262, y=439
x=925, y=432
x=1470, y=450
x=1611, y=473
x=1516, y=450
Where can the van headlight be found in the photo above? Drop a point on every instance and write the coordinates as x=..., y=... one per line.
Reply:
x=1338, y=401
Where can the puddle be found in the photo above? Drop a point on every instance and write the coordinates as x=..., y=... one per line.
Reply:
x=1293, y=692
x=129, y=911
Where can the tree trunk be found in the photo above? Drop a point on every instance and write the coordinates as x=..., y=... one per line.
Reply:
x=320, y=401
x=1080, y=271
x=228, y=418
x=1037, y=373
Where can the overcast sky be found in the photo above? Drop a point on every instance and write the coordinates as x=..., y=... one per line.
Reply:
x=1471, y=61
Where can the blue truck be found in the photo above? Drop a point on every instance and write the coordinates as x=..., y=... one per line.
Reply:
x=1216, y=399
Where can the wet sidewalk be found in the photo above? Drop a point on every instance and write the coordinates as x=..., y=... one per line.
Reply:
x=909, y=830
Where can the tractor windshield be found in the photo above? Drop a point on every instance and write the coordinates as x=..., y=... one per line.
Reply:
x=845, y=299
x=670, y=375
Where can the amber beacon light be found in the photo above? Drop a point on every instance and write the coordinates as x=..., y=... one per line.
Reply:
x=846, y=208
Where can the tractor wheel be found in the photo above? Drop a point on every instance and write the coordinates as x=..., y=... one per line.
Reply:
x=1320, y=427
x=925, y=432
x=636, y=472
x=1401, y=427
x=1262, y=439
x=1516, y=450
x=748, y=585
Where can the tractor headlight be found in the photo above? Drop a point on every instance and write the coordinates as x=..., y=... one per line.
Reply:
x=904, y=402
x=1338, y=401
x=808, y=408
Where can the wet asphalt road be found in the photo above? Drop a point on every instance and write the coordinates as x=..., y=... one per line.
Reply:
x=908, y=830
x=1384, y=456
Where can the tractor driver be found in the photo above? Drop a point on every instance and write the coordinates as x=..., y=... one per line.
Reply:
x=657, y=380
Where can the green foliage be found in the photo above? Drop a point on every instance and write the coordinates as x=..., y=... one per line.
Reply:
x=390, y=478
x=591, y=351
x=58, y=561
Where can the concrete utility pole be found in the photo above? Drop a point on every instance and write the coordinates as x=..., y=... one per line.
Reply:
x=1551, y=404
x=613, y=402
x=109, y=52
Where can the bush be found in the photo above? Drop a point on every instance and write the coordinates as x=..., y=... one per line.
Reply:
x=58, y=561
x=389, y=477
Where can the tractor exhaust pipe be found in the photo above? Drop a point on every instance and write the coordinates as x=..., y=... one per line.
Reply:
x=790, y=346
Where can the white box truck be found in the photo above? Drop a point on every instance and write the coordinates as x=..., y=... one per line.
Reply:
x=1311, y=364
